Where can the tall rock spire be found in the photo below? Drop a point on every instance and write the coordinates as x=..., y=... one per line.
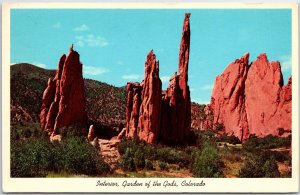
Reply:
x=184, y=52
x=184, y=105
x=64, y=100
x=163, y=116
x=150, y=110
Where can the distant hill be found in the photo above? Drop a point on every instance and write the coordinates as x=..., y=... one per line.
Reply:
x=105, y=103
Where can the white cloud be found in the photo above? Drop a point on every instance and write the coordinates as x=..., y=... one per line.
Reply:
x=165, y=79
x=132, y=77
x=206, y=87
x=57, y=25
x=91, y=40
x=40, y=65
x=285, y=62
x=83, y=27
x=92, y=70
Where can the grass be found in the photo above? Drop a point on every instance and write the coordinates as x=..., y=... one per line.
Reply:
x=63, y=175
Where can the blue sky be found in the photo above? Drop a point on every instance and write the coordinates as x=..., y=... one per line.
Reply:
x=113, y=44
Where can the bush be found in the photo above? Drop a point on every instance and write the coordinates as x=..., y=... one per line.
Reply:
x=26, y=133
x=139, y=159
x=127, y=161
x=148, y=165
x=207, y=162
x=259, y=165
x=37, y=156
x=141, y=151
x=278, y=156
x=267, y=142
x=163, y=166
x=30, y=158
x=229, y=139
x=219, y=126
x=81, y=157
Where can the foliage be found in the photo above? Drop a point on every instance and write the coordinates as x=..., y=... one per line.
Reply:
x=142, y=151
x=267, y=142
x=104, y=102
x=229, y=139
x=259, y=165
x=127, y=162
x=207, y=162
x=79, y=157
x=148, y=165
x=139, y=159
x=163, y=166
x=219, y=126
x=36, y=156
x=31, y=158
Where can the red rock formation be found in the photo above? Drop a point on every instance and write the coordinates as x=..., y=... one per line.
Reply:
x=184, y=110
x=251, y=99
x=265, y=98
x=228, y=98
x=150, y=109
x=169, y=127
x=202, y=118
x=163, y=116
x=91, y=134
x=133, y=108
x=284, y=113
x=63, y=100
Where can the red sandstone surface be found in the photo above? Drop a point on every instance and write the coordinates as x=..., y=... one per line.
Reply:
x=63, y=100
x=251, y=99
x=153, y=115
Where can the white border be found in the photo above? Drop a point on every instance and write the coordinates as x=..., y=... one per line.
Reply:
x=89, y=184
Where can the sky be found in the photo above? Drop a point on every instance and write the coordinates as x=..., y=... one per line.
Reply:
x=113, y=43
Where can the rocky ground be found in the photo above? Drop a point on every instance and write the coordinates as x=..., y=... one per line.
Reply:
x=109, y=151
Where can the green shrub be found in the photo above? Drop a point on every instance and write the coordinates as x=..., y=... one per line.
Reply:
x=148, y=165
x=127, y=161
x=81, y=157
x=206, y=162
x=267, y=142
x=278, y=156
x=219, y=126
x=37, y=156
x=141, y=151
x=26, y=133
x=163, y=166
x=127, y=143
x=259, y=165
x=229, y=139
x=271, y=168
x=139, y=159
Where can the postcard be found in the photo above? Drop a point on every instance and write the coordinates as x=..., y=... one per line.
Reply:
x=150, y=97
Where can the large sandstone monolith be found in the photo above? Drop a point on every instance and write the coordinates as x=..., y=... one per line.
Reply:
x=163, y=116
x=184, y=99
x=63, y=100
x=251, y=99
x=176, y=101
x=134, y=91
x=150, y=109
x=267, y=102
x=228, y=98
